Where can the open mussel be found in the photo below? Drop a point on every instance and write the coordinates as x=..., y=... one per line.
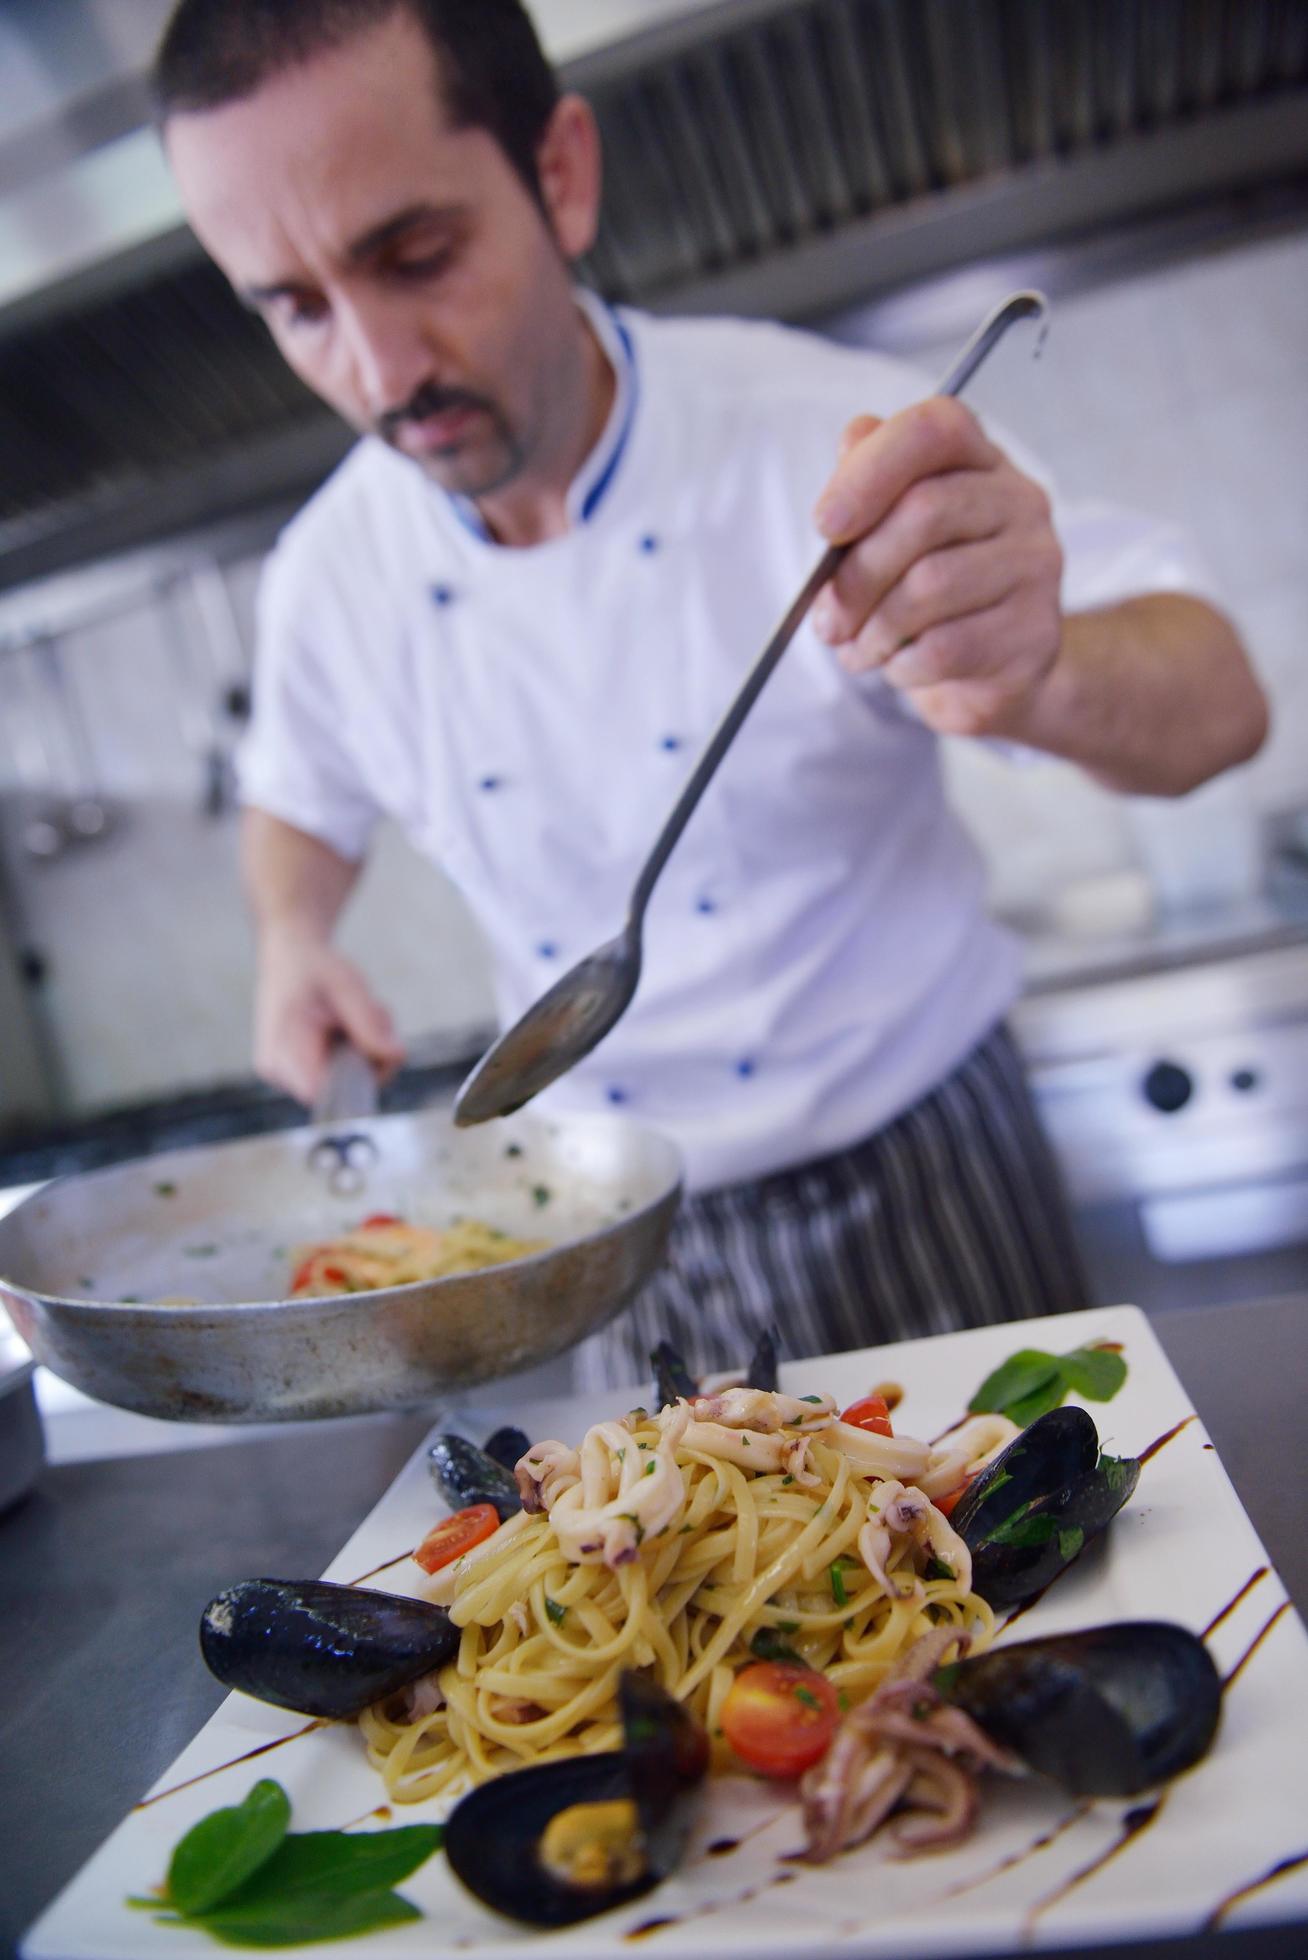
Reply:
x=565, y=1840
x=673, y=1381
x=318, y=1648
x=1105, y=1712
x=1029, y=1513
x=762, y=1369
x=466, y=1475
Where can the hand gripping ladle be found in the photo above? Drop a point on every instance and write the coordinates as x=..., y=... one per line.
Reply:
x=579, y=1009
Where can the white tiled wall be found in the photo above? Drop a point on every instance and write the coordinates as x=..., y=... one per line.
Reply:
x=1184, y=391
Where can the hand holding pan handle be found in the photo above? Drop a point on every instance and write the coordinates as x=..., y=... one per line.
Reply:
x=348, y=1095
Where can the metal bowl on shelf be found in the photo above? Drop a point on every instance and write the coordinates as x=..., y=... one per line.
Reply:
x=161, y=1285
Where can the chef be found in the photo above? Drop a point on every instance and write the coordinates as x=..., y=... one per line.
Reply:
x=513, y=615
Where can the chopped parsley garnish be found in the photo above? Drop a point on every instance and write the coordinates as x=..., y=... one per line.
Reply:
x=556, y=1612
x=808, y=1698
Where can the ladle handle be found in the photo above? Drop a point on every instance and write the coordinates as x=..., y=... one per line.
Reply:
x=1018, y=306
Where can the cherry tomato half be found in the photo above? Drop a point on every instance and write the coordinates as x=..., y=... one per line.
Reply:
x=872, y=1413
x=380, y=1218
x=779, y=1716
x=456, y=1535
x=318, y=1266
x=945, y=1505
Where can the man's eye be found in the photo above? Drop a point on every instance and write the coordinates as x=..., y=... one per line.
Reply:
x=299, y=310
x=422, y=265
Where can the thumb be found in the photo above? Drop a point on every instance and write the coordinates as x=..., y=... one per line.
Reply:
x=857, y=431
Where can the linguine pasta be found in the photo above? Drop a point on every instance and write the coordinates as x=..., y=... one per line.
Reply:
x=386, y=1251
x=670, y=1543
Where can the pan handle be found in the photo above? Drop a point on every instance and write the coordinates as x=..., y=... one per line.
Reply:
x=348, y=1095
x=349, y=1087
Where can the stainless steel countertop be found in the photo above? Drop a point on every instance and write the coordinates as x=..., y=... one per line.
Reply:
x=104, y=1569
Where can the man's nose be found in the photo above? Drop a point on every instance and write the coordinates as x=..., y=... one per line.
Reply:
x=387, y=350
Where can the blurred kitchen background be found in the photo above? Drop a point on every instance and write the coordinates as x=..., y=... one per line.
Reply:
x=881, y=170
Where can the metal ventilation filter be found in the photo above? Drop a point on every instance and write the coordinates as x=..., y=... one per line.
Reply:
x=760, y=155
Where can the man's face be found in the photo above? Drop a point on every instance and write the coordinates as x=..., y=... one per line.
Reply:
x=405, y=271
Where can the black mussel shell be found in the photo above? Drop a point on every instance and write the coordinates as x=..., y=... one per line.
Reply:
x=493, y=1836
x=1105, y=1712
x=1030, y=1512
x=507, y=1446
x=466, y=1475
x=672, y=1379
x=762, y=1370
x=318, y=1648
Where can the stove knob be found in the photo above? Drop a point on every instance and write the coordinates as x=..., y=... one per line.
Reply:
x=1168, y=1087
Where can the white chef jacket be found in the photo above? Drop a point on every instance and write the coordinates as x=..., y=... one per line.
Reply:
x=817, y=954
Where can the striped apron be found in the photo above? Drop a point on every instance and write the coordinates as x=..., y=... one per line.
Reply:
x=951, y=1216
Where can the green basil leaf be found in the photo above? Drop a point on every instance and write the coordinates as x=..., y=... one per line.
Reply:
x=1071, y=1541
x=1038, y=1403
x=1021, y=1375
x=223, y=1850
x=1096, y=1373
x=316, y=1864
x=295, y=1922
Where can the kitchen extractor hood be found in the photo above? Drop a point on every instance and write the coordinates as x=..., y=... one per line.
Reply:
x=778, y=156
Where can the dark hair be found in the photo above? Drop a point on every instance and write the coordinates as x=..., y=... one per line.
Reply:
x=493, y=72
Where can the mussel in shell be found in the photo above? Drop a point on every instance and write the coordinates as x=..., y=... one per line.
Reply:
x=319, y=1648
x=762, y=1370
x=507, y=1445
x=1029, y=1513
x=466, y=1475
x=673, y=1381
x=565, y=1840
x=1105, y=1712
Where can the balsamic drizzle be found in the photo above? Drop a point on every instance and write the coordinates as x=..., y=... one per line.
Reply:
x=319, y=1722
x=1257, y=1641
x=1133, y=1822
x=1160, y=1442
x=1233, y=1602
x=1269, y=1877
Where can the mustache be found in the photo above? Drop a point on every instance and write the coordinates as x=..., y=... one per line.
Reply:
x=429, y=399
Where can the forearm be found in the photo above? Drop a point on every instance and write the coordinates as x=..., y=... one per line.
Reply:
x=1152, y=696
x=295, y=884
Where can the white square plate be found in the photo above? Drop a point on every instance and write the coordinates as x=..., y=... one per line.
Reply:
x=1040, y=1871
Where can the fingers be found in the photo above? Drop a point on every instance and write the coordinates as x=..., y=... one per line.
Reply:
x=944, y=587
x=360, y=1016
x=931, y=438
x=961, y=507
x=308, y=997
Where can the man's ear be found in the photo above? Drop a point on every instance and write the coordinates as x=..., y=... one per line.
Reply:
x=568, y=167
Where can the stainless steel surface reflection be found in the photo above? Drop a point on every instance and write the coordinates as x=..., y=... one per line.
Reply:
x=96, y=1268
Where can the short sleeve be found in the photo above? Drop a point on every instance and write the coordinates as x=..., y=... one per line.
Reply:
x=294, y=761
x=1111, y=553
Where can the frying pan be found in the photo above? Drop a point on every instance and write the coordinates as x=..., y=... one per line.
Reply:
x=85, y=1263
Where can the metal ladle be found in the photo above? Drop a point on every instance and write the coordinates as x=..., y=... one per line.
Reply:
x=579, y=1009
